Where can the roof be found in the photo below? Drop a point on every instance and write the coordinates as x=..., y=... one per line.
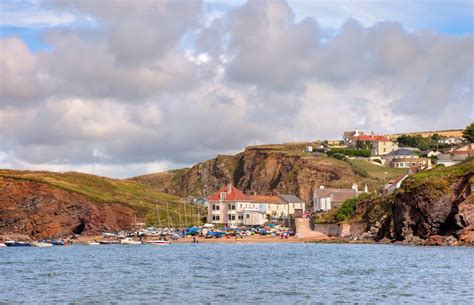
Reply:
x=372, y=138
x=291, y=198
x=402, y=152
x=337, y=195
x=409, y=159
x=234, y=195
x=266, y=199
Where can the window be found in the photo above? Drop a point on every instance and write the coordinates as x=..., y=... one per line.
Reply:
x=231, y=217
x=216, y=217
x=231, y=206
x=241, y=217
x=222, y=196
x=247, y=216
x=215, y=207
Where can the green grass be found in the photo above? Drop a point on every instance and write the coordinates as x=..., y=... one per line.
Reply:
x=147, y=203
x=377, y=171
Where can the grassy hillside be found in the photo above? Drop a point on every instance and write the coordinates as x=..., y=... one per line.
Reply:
x=376, y=171
x=151, y=206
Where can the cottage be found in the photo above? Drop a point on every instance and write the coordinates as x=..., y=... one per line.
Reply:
x=325, y=199
x=400, y=153
x=420, y=163
x=347, y=137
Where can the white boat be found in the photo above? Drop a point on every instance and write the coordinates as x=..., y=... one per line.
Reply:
x=130, y=241
x=92, y=243
x=2, y=245
x=158, y=242
x=41, y=244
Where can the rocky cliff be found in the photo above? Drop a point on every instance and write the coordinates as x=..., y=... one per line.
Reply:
x=262, y=169
x=40, y=211
x=432, y=207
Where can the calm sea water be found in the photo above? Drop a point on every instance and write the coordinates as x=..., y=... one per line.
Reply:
x=239, y=273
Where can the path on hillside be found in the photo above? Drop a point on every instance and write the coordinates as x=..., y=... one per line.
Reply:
x=305, y=232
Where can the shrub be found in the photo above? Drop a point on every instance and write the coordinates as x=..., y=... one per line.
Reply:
x=350, y=152
x=346, y=210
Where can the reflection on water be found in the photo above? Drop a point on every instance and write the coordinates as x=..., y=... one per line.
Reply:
x=238, y=273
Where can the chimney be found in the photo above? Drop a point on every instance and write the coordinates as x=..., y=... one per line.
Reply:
x=354, y=187
x=229, y=188
x=357, y=132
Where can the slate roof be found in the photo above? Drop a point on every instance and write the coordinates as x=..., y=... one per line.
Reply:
x=291, y=198
x=401, y=152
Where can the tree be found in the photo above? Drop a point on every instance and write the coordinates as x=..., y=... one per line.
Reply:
x=468, y=133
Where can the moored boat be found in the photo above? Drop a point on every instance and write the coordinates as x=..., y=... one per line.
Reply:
x=109, y=242
x=12, y=243
x=41, y=244
x=92, y=243
x=130, y=241
x=2, y=245
x=158, y=242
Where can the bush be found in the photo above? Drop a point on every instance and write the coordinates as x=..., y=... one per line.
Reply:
x=346, y=210
x=350, y=152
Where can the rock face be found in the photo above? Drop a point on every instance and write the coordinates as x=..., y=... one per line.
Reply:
x=432, y=210
x=258, y=170
x=40, y=211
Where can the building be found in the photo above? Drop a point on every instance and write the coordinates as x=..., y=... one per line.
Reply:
x=420, y=163
x=451, y=140
x=232, y=207
x=325, y=199
x=378, y=145
x=456, y=155
x=394, y=184
x=400, y=153
x=347, y=137
x=430, y=153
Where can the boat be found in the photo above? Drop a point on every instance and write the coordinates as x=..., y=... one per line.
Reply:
x=130, y=241
x=92, y=243
x=2, y=245
x=41, y=244
x=158, y=242
x=109, y=242
x=12, y=243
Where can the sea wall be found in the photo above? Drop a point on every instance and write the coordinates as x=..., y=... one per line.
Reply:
x=341, y=230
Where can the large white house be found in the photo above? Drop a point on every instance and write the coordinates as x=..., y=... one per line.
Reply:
x=232, y=207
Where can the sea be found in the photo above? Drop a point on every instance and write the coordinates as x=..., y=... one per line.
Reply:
x=238, y=274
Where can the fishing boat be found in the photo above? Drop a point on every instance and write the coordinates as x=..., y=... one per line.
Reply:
x=41, y=244
x=130, y=241
x=12, y=243
x=158, y=242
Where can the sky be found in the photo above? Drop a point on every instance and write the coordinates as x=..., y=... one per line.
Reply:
x=124, y=88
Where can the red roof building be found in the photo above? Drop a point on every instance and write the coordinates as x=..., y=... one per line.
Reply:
x=229, y=193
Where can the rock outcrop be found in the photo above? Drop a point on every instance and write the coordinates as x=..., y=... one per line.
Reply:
x=436, y=207
x=40, y=211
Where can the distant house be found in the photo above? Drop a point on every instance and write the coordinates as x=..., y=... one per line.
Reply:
x=392, y=185
x=429, y=153
x=400, y=153
x=325, y=199
x=456, y=155
x=451, y=140
x=347, y=137
x=378, y=145
x=199, y=201
x=296, y=206
x=416, y=162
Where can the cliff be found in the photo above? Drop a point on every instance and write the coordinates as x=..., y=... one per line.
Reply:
x=43, y=204
x=284, y=168
x=432, y=207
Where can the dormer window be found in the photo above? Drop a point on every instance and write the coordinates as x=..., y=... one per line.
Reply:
x=222, y=196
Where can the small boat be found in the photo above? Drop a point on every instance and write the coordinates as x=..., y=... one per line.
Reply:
x=92, y=243
x=158, y=242
x=12, y=243
x=2, y=245
x=41, y=244
x=109, y=242
x=130, y=241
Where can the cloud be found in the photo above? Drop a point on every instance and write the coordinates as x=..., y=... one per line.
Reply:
x=162, y=84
